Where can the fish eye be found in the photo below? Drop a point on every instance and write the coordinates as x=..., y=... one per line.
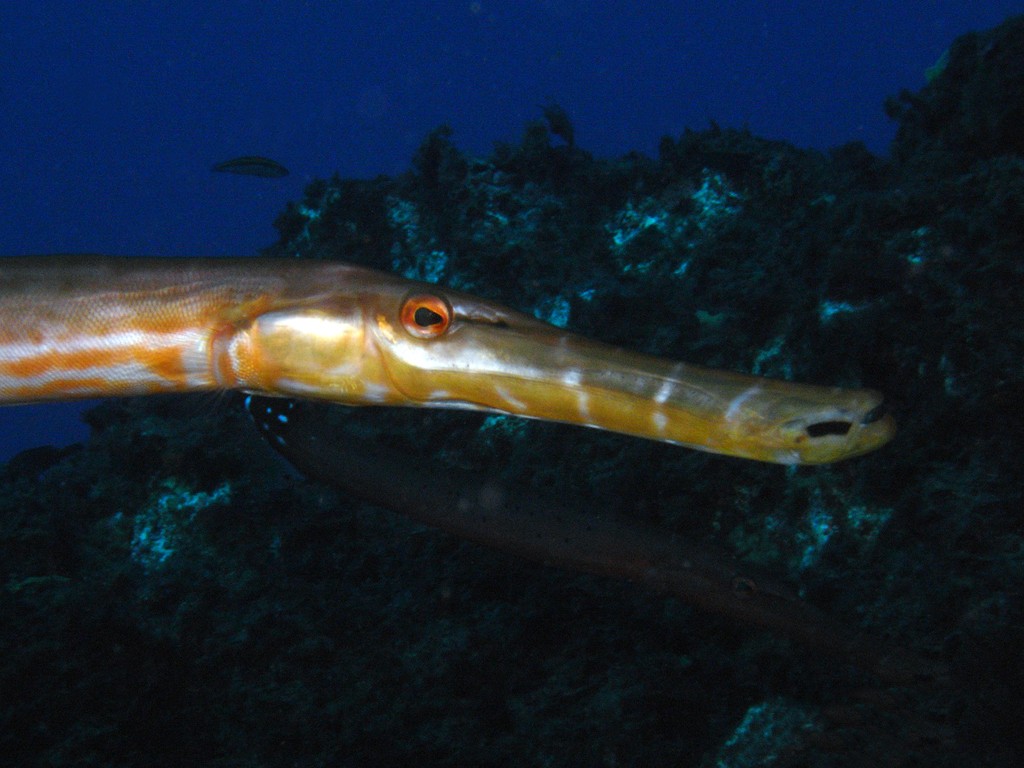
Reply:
x=425, y=315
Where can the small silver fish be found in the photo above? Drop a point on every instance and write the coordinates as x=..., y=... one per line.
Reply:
x=252, y=165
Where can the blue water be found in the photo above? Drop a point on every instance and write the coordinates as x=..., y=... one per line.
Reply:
x=111, y=113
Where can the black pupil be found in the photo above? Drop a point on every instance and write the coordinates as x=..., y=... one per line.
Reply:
x=425, y=317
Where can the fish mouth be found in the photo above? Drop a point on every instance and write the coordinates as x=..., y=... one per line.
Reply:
x=863, y=425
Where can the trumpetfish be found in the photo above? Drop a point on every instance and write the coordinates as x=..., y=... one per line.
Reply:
x=487, y=510
x=96, y=326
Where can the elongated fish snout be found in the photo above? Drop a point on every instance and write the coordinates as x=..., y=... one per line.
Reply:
x=448, y=350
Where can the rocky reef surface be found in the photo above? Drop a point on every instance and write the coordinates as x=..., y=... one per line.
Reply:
x=171, y=593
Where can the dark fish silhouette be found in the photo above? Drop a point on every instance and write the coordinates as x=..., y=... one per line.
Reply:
x=252, y=165
x=559, y=123
x=552, y=531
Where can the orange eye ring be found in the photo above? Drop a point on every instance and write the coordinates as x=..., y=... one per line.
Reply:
x=426, y=315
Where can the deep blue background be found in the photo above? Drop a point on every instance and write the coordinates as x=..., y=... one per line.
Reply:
x=112, y=112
